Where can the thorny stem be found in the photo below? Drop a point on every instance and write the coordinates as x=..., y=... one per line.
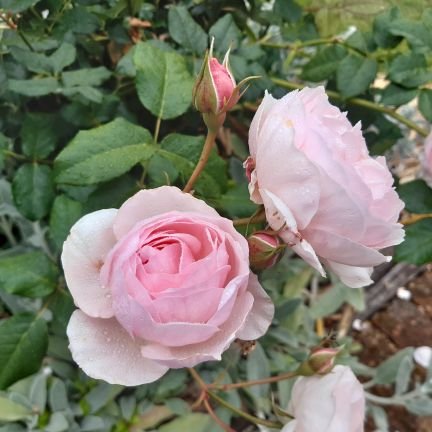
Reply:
x=244, y=384
x=243, y=414
x=255, y=420
x=359, y=102
x=215, y=417
x=205, y=154
x=312, y=43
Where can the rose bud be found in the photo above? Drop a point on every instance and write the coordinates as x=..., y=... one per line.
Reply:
x=320, y=361
x=215, y=91
x=265, y=250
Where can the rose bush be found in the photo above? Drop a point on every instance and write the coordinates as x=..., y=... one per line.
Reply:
x=331, y=403
x=163, y=282
x=331, y=201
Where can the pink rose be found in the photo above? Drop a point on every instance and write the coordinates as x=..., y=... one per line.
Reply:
x=163, y=282
x=312, y=171
x=427, y=160
x=330, y=403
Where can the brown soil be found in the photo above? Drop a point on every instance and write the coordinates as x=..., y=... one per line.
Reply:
x=400, y=324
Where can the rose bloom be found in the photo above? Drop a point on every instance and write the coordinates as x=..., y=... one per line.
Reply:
x=427, y=160
x=330, y=403
x=163, y=282
x=331, y=201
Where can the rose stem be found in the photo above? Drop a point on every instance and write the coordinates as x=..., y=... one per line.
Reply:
x=205, y=154
x=195, y=375
x=215, y=417
x=244, y=384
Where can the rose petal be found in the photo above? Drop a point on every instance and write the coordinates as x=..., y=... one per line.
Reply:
x=342, y=250
x=211, y=349
x=152, y=202
x=259, y=117
x=84, y=251
x=354, y=277
x=260, y=317
x=103, y=349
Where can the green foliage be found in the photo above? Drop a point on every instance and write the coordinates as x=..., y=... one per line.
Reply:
x=102, y=153
x=23, y=339
x=95, y=106
x=30, y=274
x=163, y=81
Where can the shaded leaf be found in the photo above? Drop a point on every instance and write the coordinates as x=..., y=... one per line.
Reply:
x=24, y=340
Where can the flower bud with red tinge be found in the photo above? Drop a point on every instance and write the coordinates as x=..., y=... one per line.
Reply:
x=321, y=361
x=265, y=250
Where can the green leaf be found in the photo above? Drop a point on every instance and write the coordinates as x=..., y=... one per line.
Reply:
x=403, y=376
x=24, y=341
x=387, y=371
x=226, y=33
x=417, y=247
x=103, y=153
x=420, y=405
x=163, y=82
x=34, y=87
x=57, y=395
x=33, y=190
x=33, y=61
x=11, y=411
x=87, y=92
x=86, y=77
x=416, y=33
x=397, y=95
x=64, y=213
x=62, y=57
x=30, y=274
x=417, y=196
x=161, y=171
x=185, y=31
x=425, y=103
x=382, y=28
x=79, y=20
x=410, y=70
x=355, y=74
x=258, y=367
x=196, y=422
x=328, y=302
x=38, y=135
x=324, y=64
x=15, y=6
x=236, y=202
x=288, y=10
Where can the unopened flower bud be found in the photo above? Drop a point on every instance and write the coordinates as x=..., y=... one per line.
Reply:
x=215, y=91
x=265, y=250
x=320, y=361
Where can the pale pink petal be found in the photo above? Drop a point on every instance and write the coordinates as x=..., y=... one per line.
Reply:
x=84, y=251
x=211, y=349
x=302, y=177
x=259, y=117
x=342, y=250
x=105, y=351
x=306, y=251
x=260, y=317
x=354, y=277
x=153, y=202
